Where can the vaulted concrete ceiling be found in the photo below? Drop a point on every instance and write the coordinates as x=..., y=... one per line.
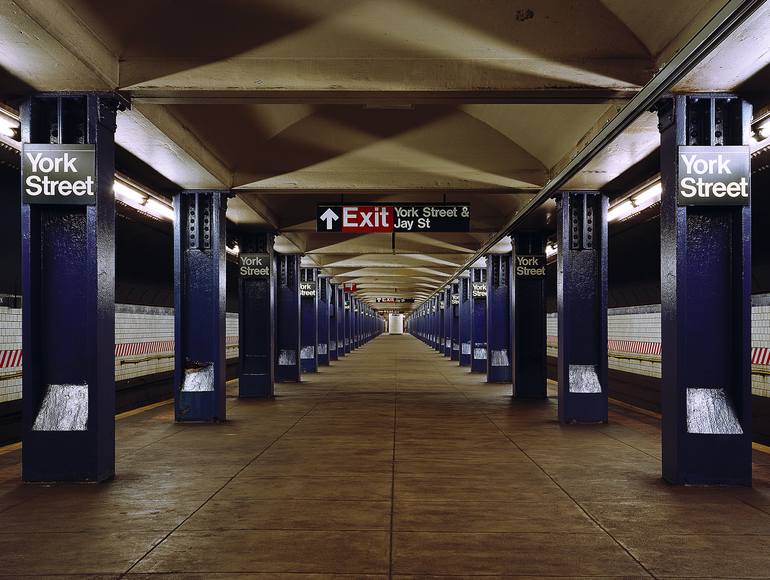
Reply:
x=297, y=102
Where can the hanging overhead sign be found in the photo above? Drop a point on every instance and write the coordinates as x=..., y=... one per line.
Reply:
x=529, y=266
x=58, y=174
x=393, y=300
x=714, y=175
x=254, y=265
x=349, y=287
x=393, y=218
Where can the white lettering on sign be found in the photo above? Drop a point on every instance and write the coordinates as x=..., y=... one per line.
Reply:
x=714, y=175
x=719, y=165
x=393, y=218
x=530, y=266
x=479, y=290
x=356, y=218
x=254, y=265
x=59, y=173
x=307, y=289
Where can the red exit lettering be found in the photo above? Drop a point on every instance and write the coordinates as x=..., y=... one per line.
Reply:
x=367, y=219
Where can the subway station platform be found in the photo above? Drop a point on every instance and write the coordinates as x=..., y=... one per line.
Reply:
x=393, y=462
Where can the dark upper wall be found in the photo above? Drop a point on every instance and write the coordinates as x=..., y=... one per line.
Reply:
x=10, y=230
x=144, y=261
x=634, y=255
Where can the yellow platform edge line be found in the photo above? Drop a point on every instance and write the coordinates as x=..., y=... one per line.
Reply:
x=139, y=410
x=9, y=448
x=16, y=446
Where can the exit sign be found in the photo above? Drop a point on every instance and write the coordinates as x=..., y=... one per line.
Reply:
x=393, y=218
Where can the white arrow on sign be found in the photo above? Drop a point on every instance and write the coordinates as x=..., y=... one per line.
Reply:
x=329, y=217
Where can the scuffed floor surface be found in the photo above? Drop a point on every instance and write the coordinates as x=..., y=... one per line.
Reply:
x=393, y=462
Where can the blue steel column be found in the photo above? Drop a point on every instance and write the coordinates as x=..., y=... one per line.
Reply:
x=340, y=317
x=354, y=325
x=430, y=305
x=333, y=326
x=256, y=322
x=582, y=306
x=454, y=316
x=498, y=318
x=324, y=297
x=479, y=319
x=287, y=319
x=199, y=306
x=348, y=308
x=360, y=323
x=447, y=315
x=437, y=318
x=464, y=321
x=433, y=312
x=528, y=323
x=357, y=322
x=68, y=283
x=706, y=305
x=308, y=353
x=441, y=338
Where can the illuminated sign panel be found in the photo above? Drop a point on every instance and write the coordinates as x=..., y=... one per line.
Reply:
x=393, y=218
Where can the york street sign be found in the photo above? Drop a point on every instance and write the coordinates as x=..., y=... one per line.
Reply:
x=529, y=266
x=479, y=290
x=307, y=289
x=714, y=175
x=254, y=265
x=58, y=174
x=393, y=218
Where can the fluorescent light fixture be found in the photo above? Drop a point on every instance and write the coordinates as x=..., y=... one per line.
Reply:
x=621, y=210
x=648, y=196
x=235, y=250
x=158, y=209
x=550, y=250
x=128, y=194
x=636, y=203
x=764, y=129
x=8, y=126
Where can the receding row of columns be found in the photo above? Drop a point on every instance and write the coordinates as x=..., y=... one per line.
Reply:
x=705, y=309
x=291, y=319
x=68, y=282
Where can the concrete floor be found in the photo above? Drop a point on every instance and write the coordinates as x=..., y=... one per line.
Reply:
x=394, y=462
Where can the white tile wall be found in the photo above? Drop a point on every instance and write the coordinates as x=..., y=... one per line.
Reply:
x=10, y=339
x=133, y=324
x=643, y=324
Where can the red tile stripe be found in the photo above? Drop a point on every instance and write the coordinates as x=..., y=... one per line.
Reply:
x=759, y=355
x=12, y=358
x=634, y=346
